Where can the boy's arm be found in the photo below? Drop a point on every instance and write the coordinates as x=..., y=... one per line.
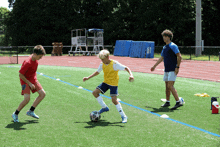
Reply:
x=26, y=81
x=129, y=71
x=157, y=63
x=131, y=78
x=93, y=75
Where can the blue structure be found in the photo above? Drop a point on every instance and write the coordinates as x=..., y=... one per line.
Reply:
x=136, y=49
x=122, y=48
x=148, y=49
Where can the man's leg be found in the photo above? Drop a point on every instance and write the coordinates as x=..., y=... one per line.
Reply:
x=167, y=91
x=175, y=94
x=167, y=103
x=173, y=90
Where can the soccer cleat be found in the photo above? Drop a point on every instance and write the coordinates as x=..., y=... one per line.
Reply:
x=124, y=119
x=103, y=110
x=178, y=104
x=32, y=114
x=167, y=104
x=15, y=117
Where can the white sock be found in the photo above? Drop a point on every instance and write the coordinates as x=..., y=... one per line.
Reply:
x=120, y=110
x=101, y=102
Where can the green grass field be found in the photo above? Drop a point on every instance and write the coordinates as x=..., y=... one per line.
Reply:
x=64, y=113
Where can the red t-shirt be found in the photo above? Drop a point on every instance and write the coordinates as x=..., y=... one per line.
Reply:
x=28, y=69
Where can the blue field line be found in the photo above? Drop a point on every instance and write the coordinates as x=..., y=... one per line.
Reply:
x=136, y=107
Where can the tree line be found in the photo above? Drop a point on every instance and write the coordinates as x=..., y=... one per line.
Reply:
x=47, y=21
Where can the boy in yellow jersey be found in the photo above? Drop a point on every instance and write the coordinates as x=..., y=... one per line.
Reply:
x=110, y=69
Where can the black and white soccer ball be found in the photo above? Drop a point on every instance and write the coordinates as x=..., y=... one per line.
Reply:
x=95, y=116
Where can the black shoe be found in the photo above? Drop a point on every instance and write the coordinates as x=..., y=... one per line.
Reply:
x=167, y=104
x=178, y=104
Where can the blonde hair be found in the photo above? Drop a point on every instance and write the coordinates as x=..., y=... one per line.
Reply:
x=103, y=54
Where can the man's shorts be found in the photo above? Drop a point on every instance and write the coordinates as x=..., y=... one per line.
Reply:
x=26, y=89
x=103, y=87
x=169, y=76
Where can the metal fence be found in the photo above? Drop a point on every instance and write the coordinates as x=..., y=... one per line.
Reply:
x=29, y=49
x=188, y=52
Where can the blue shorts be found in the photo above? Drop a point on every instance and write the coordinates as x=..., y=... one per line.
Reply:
x=103, y=87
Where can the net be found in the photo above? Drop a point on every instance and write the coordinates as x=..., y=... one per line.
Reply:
x=8, y=55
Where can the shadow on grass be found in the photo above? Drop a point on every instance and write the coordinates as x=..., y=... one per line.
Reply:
x=19, y=125
x=161, y=109
x=101, y=123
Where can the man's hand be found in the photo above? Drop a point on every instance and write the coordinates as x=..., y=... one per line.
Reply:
x=176, y=71
x=152, y=68
x=85, y=78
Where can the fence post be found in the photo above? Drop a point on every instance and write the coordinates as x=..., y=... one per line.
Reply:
x=219, y=56
x=17, y=53
x=190, y=52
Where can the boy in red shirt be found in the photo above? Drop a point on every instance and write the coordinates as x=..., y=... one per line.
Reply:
x=28, y=79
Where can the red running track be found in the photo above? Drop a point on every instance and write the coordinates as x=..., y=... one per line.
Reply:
x=204, y=70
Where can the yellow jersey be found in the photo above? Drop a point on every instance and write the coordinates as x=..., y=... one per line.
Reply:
x=110, y=75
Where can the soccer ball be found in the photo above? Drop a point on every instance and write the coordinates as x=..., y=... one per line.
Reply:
x=182, y=100
x=95, y=116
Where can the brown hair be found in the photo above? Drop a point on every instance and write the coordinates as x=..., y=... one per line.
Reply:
x=39, y=50
x=167, y=33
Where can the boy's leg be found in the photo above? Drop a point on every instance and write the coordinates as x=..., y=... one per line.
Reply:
x=119, y=108
x=96, y=93
x=102, y=88
x=20, y=107
x=24, y=102
x=36, y=102
x=114, y=94
x=41, y=96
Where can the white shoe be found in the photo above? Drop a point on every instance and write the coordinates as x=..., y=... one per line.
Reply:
x=32, y=114
x=124, y=119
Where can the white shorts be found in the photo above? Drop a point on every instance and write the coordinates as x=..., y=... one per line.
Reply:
x=169, y=76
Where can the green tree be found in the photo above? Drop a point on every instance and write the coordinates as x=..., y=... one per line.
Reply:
x=145, y=20
x=47, y=21
x=42, y=21
x=210, y=22
x=4, y=39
